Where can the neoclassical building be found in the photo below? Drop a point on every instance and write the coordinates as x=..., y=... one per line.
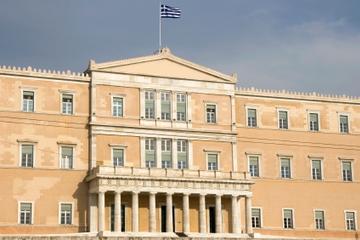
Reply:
x=160, y=146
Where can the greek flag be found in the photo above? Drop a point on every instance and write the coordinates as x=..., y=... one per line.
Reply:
x=169, y=12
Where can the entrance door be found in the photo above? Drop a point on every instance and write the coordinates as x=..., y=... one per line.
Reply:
x=212, y=224
x=112, y=217
x=163, y=218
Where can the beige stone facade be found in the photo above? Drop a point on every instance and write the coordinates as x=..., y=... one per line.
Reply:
x=160, y=146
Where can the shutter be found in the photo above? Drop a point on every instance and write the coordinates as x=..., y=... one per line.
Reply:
x=182, y=156
x=212, y=158
x=27, y=149
x=285, y=162
x=181, y=107
x=347, y=166
x=349, y=215
x=166, y=156
x=65, y=207
x=28, y=95
x=283, y=115
x=287, y=213
x=255, y=212
x=67, y=151
x=316, y=164
x=150, y=155
x=343, y=119
x=26, y=207
x=319, y=214
x=149, y=104
x=165, y=106
x=313, y=117
x=118, y=153
x=252, y=113
x=254, y=160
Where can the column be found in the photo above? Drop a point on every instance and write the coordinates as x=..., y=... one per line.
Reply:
x=174, y=153
x=235, y=214
x=202, y=213
x=158, y=152
x=135, y=211
x=186, y=214
x=248, y=206
x=234, y=157
x=117, y=211
x=189, y=109
x=92, y=212
x=101, y=209
x=169, y=212
x=152, y=211
x=142, y=152
x=218, y=214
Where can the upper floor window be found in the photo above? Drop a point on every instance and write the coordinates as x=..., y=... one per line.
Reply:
x=350, y=220
x=28, y=101
x=181, y=107
x=27, y=155
x=25, y=213
x=210, y=113
x=316, y=170
x=212, y=159
x=117, y=106
x=285, y=170
x=66, y=213
x=67, y=157
x=254, y=166
x=182, y=155
x=118, y=157
x=251, y=117
x=166, y=153
x=149, y=104
x=288, y=218
x=150, y=154
x=347, y=171
x=314, y=121
x=67, y=103
x=319, y=219
x=283, y=119
x=165, y=106
x=344, y=123
x=256, y=217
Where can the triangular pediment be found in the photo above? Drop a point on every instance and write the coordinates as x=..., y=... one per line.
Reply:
x=163, y=64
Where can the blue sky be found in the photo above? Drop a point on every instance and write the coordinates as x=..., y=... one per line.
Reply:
x=297, y=45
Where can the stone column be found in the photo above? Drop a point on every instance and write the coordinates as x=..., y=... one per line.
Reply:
x=152, y=212
x=235, y=214
x=135, y=211
x=117, y=211
x=186, y=213
x=101, y=210
x=169, y=212
x=92, y=212
x=218, y=214
x=248, y=206
x=202, y=213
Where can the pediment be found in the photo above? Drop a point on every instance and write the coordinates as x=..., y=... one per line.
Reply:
x=163, y=64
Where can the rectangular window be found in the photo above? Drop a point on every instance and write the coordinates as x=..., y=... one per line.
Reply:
x=166, y=153
x=344, y=123
x=25, y=213
x=28, y=101
x=182, y=155
x=285, y=168
x=347, y=171
x=117, y=106
x=150, y=153
x=210, y=113
x=212, y=161
x=118, y=157
x=66, y=213
x=256, y=217
x=316, y=169
x=67, y=104
x=165, y=106
x=319, y=220
x=27, y=155
x=254, y=166
x=283, y=120
x=150, y=105
x=251, y=117
x=314, y=121
x=288, y=218
x=67, y=154
x=181, y=107
x=350, y=220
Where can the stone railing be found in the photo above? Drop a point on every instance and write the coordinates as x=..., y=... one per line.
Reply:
x=168, y=173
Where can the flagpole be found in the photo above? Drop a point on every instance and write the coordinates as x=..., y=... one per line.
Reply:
x=159, y=26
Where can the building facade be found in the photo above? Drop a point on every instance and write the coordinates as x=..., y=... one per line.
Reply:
x=160, y=146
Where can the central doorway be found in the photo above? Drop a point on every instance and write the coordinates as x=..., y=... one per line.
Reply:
x=212, y=223
x=163, y=218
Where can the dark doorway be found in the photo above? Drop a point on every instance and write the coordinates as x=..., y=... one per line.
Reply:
x=212, y=224
x=163, y=218
x=112, y=217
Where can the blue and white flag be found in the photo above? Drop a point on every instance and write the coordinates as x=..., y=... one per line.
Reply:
x=169, y=12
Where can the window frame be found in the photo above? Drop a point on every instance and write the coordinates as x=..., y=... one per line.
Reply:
x=112, y=105
x=186, y=106
x=324, y=223
x=355, y=220
x=186, y=144
x=66, y=92
x=308, y=120
x=261, y=217
x=247, y=116
x=72, y=214
x=117, y=146
x=259, y=163
x=170, y=103
x=22, y=99
x=278, y=118
x=290, y=166
x=216, y=112
x=20, y=153
x=32, y=212
x=73, y=146
x=217, y=153
x=170, y=151
x=155, y=152
x=154, y=92
x=348, y=118
x=342, y=160
x=293, y=218
x=321, y=159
